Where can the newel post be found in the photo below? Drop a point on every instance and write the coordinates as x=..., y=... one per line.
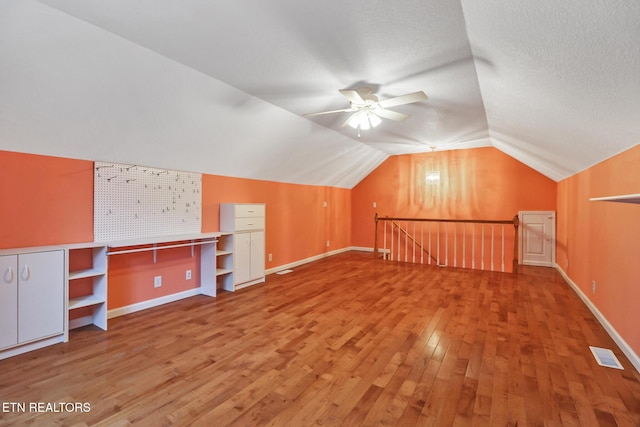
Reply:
x=375, y=237
x=516, y=224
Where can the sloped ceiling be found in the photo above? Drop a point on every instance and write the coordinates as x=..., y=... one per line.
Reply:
x=221, y=86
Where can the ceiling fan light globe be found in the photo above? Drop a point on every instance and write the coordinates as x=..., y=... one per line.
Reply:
x=375, y=120
x=363, y=122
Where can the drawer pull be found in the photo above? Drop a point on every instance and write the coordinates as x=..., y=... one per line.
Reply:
x=26, y=273
x=8, y=276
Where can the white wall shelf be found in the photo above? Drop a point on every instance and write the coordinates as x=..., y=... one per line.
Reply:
x=224, y=261
x=97, y=298
x=85, y=301
x=625, y=198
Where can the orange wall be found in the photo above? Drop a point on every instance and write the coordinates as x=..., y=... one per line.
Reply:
x=601, y=240
x=45, y=200
x=51, y=202
x=297, y=223
x=480, y=183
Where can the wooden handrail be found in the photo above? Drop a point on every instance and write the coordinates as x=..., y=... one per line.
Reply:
x=474, y=221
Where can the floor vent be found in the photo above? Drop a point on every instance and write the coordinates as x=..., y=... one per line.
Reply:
x=605, y=357
x=281, y=272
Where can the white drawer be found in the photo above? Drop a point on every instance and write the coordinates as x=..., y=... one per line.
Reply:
x=249, y=211
x=249, y=223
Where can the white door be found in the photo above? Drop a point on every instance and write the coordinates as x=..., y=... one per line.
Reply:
x=257, y=255
x=241, y=258
x=8, y=300
x=537, y=238
x=40, y=295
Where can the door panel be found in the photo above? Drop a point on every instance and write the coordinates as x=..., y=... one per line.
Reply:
x=40, y=295
x=537, y=234
x=257, y=255
x=8, y=300
x=242, y=258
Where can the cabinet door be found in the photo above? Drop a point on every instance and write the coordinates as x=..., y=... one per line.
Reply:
x=257, y=255
x=8, y=300
x=242, y=258
x=40, y=295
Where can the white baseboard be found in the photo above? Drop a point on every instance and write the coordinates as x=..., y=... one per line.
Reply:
x=307, y=260
x=121, y=311
x=626, y=349
x=366, y=249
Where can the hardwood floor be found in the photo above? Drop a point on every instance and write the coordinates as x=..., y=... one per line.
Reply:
x=343, y=341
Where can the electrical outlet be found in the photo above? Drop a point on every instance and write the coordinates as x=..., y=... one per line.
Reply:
x=593, y=286
x=188, y=275
x=328, y=243
x=325, y=204
x=374, y=204
x=157, y=281
x=270, y=257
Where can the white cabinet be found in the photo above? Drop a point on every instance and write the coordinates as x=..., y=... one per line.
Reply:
x=31, y=298
x=87, y=285
x=247, y=223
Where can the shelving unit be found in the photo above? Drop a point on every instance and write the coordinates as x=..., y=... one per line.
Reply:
x=625, y=198
x=96, y=299
x=224, y=261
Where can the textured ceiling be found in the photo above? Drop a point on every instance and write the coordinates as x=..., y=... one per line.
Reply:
x=221, y=86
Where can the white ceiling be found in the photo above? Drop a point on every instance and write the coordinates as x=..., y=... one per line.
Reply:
x=221, y=86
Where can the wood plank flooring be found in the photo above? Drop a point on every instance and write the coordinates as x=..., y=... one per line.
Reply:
x=342, y=341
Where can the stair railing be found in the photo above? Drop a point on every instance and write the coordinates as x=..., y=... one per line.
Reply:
x=476, y=244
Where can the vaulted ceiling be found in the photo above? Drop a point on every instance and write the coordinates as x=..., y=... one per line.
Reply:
x=222, y=87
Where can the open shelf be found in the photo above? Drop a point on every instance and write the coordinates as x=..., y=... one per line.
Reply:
x=625, y=198
x=81, y=274
x=85, y=301
x=221, y=271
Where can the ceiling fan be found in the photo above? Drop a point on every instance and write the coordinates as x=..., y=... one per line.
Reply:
x=367, y=109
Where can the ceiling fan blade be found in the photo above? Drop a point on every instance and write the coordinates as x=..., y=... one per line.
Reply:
x=404, y=99
x=346, y=122
x=392, y=115
x=352, y=96
x=328, y=112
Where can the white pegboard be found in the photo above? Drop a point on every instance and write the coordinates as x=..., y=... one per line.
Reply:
x=132, y=201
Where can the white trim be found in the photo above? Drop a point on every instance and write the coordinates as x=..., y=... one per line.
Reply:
x=25, y=348
x=626, y=349
x=307, y=260
x=366, y=249
x=324, y=255
x=121, y=311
